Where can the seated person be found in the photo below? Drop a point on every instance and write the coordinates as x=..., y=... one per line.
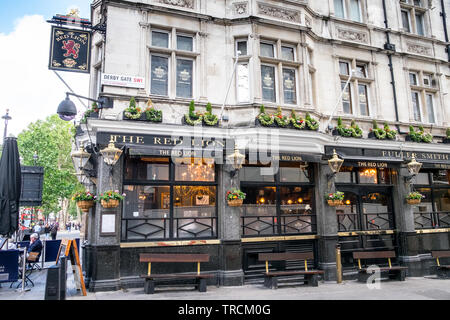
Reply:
x=35, y=246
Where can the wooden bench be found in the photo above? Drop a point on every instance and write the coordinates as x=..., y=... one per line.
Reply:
x=395, y=272
x=150, y=278
x=311, y=277
x=443, y=271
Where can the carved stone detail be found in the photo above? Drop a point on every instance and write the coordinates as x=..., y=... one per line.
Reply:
x=180, y=3
x=352, y=35
x=240, y=7
x=279, y=13
x=419, y=49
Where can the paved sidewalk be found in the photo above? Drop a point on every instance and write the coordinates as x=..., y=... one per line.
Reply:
x=423, y=288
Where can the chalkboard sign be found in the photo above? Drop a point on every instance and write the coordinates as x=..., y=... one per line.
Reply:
x=32, y=185
x=68, y=248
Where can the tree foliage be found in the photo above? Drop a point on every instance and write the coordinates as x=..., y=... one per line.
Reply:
x=52, y=140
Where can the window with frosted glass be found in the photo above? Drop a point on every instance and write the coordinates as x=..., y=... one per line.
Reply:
x=346, y=98
x=430, y=108
x=185, y=43
x=184, y=78
x=268, y=83
x=242, y=47
x=343, y=68
x=160, y=75
x=267, y=49
x=405, y=20
x=339, y=8
x=413, y=79
x=416, y=106
x=243, y=89
x=363, y=101
x=287, y=53
x=419, y=24
x=160, y=39
x=289, y=86
x=355, y=13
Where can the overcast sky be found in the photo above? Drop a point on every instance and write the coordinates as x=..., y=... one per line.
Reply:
x=27, y=88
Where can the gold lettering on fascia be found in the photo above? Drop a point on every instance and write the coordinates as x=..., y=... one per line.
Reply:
x=418, y=156
x=365, y=164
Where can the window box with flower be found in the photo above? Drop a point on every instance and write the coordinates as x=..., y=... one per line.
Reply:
x=134, y=112
x=235, y=197
x=264, y=119
x=209, y=118
x=92, y=112
x=297, y=122
x=84, y=200
x=110, y=198
x=384, y=133
x=281, y=121
x=447, y=136
x=352, y=131
x=335, y=199
x=419, y=136
x=193, y=118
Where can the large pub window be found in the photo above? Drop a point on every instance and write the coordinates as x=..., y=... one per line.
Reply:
x=368, y=202
x=281, y=203
x=169, y=200
x=434, y=209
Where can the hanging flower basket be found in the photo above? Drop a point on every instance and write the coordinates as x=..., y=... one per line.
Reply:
x=335, y=199
x=111, y=199
x=235, y=197
x=413, y=201
x=85, y=205
x=84, y=200
x=112, y=203
x=235, y=202
x=334, y=203
x=414, y=198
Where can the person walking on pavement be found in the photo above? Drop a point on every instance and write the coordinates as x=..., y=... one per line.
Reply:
x=54, y=230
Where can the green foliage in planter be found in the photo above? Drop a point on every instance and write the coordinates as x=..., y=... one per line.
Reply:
x=415, y=196
x=447, y=133
x=349, y=131
x=420, y=136
x=390, y=134
x=383, y=133
x=133, y=112
x=311, y=123
x=209, y=118
x=193, y=118
x=265, y=119
x=338, y=195
x=282, y=121
x=298, y=123
x=87, y=113
x=151, y=114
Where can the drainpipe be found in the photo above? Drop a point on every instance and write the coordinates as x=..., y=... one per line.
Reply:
x=444, y=20
x=391, y=48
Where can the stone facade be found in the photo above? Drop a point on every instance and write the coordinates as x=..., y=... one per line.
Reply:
x=309, y=43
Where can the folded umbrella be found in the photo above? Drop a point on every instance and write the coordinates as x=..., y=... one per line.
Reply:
x=10, y=187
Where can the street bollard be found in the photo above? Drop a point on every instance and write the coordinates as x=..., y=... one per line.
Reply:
x=338, y=264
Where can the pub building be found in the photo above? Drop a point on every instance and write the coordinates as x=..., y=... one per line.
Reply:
x=176, y=176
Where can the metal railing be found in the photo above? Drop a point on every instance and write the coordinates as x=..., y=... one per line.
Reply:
x=276, y=225
x=159, y=228
x=432, y=220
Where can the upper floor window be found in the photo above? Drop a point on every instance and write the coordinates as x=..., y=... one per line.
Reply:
x=283, y=72
x=176, y=63
x=355, y=97
x=242, y=71
x=348, y=9
x=423, y=91
x=413, y=16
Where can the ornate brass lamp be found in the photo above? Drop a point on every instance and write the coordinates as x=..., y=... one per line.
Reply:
x=237, y=160
x=413, y=168
x=111, y=154
x=80, y=158
x=335, y=164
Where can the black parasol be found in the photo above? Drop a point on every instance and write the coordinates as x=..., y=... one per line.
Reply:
x=10, y=187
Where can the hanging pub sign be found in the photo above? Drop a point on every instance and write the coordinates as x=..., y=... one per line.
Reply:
x=70, y=50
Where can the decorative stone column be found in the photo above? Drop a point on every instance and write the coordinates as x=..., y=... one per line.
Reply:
x=327, y=225
x=230, y=273
x=103, y=248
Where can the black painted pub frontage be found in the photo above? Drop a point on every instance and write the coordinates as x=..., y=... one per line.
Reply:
x=176, y=203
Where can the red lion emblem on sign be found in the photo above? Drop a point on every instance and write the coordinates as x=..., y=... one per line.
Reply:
x=71, y=48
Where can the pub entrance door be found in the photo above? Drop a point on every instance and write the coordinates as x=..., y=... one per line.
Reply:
x=365, y=221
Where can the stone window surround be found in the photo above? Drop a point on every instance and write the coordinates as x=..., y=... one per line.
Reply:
x=412, y=11
x=423, y=90
x=172, y=53
x=279, y=64
x=354, y=83
x=346, y=3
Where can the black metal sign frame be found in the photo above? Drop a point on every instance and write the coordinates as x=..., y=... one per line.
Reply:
x=70, y=50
